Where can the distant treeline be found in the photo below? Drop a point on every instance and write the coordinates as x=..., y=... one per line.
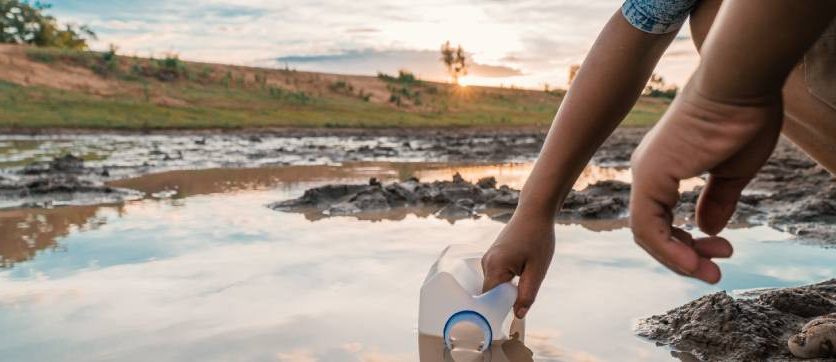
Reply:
x=22, y=22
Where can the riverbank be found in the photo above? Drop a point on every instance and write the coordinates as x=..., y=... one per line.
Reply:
x=790, y=193
x=44, y=88
x=163, y=171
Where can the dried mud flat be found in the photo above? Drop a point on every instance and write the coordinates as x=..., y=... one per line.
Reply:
x=452, y=200
x=59, y=182
x=758, y=325
x=791, y=192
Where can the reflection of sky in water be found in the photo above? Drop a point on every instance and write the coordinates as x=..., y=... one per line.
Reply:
x=220, y=277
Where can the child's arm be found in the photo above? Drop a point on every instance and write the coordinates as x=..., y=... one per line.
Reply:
x=608, y=84
x=725, y=122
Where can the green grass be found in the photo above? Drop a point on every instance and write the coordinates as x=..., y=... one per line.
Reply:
x=225, y=98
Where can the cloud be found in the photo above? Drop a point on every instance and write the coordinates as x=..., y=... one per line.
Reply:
x=424, y=63
x=526, y=42
x=362, y=30
x=493, y=71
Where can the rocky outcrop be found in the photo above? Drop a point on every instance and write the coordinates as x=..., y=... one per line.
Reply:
x=759, y=325
x=61, y=181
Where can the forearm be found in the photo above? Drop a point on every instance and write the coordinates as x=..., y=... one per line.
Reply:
x=754, y=44
x=607, y=86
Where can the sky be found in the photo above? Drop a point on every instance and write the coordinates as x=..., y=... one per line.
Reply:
x=525, y=43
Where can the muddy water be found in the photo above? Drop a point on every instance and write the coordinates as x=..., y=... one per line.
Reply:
x=203, y=271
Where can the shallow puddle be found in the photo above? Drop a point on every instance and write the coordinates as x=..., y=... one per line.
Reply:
x=204, y=271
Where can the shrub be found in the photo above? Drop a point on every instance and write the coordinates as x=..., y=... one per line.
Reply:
x=293, y=97
x=23, y=22
x=170, y=68
x=341, y=86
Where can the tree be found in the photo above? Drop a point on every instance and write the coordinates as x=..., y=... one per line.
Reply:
x=455, y=60
x=573, y=72
x=656, y=87
x=25, y=23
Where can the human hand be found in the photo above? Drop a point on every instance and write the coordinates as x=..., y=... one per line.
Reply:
x=524, y=248
x=729, y=140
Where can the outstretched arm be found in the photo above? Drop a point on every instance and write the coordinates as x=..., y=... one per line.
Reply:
x=608, y=84
x=725, y=122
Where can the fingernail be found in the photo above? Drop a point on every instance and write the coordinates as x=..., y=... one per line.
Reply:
x=522, y=312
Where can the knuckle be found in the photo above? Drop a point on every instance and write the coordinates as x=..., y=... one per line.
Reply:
x=525, y=300
x=637, y=156
x=639, y=234
x=491, y=262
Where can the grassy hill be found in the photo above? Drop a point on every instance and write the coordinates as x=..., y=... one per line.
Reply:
x=53, y=88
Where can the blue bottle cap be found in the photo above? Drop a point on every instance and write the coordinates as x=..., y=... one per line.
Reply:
x=474, y=318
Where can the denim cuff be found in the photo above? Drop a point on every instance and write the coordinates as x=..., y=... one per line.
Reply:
x=657, y=16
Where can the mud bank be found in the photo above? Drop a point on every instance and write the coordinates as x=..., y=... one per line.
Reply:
x=63, y=181
x=451, y=200
x=810, y=217
x=126, y=155
x=791, y=192
x=755, y=325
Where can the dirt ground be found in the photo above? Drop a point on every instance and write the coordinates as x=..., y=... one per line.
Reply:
x=757, y=326
x=790, y=193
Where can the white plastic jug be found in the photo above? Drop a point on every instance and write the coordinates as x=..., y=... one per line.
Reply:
x=453, y=307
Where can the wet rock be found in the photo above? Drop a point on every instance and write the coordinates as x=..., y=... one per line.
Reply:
x=504, y=197
x=486, y=182
x=321, y=197
x=62, y=181
x=461, y=209
x=746, y=212
x=789, y=193
x=618, y=148
x=602, y=200
x=756, y=326
x=67, y=163
x=64, y=164
x=60, y=191
x=813, y=216
x=456, y=199
x=816, y=340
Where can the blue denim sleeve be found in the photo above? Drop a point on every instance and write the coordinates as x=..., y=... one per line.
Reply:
x=657, y=16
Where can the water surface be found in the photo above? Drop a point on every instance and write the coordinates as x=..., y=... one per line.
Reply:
x=203, y=271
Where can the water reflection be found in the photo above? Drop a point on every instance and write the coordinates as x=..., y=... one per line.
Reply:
x=196, y=182
x=212, y=274
x=217, y=276
x=515, y=174
x=25, y=232
x=432, y=349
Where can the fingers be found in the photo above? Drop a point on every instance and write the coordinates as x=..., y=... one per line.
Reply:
x=717, y=202
x=496, y=272
x=718, y=199
x=713, y=247
x=706, y=248
x=650, y=220
x=530, y=280
x=707, y=271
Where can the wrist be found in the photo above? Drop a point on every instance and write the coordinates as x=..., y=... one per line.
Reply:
x=536, y=210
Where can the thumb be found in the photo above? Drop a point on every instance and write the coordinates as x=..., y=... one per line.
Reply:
x=530, y=280
x=718, y=201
